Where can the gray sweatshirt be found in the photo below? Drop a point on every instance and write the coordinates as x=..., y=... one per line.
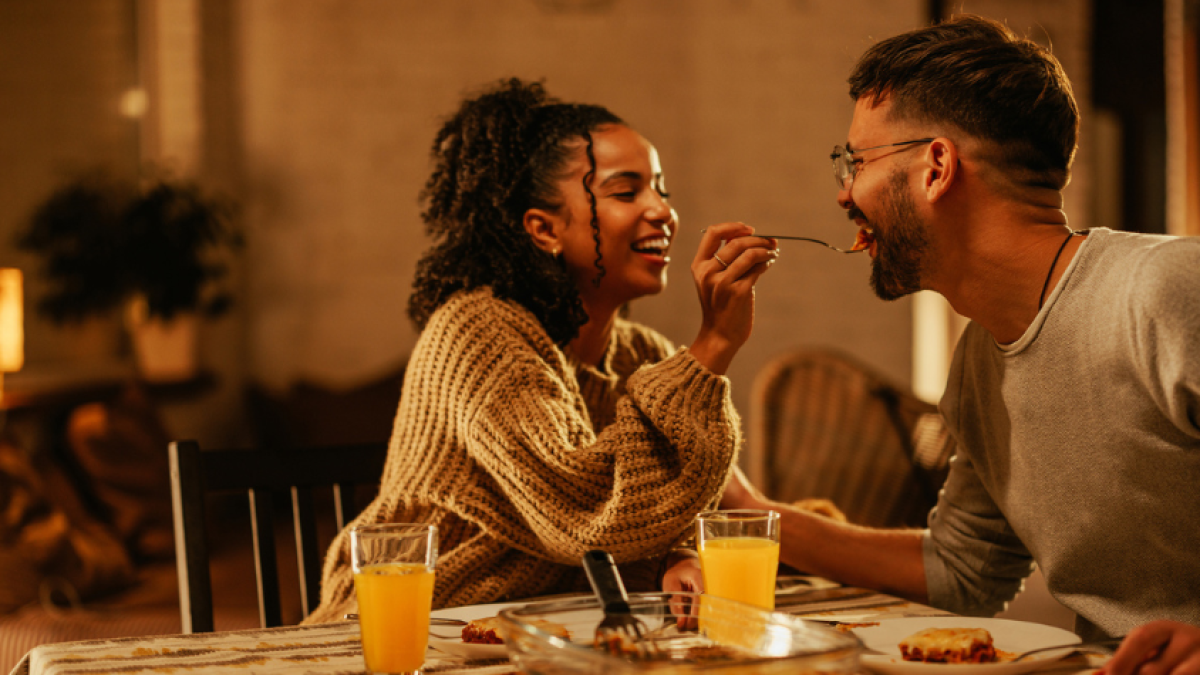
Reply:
x=1079, y=446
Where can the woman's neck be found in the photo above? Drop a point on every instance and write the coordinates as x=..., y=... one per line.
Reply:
x=592, y=342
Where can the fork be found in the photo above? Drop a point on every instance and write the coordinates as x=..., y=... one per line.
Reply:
x=792, y=238
x=433, y=620
x=815, y=241
x=620, y=633
x=1098, y=646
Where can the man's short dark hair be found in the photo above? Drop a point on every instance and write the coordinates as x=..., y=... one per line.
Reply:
x=979, y=76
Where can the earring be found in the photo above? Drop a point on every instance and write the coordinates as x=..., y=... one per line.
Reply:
x=555, y=252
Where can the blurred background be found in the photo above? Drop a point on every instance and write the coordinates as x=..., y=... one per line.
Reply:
x=314, y=118
x=159, y=158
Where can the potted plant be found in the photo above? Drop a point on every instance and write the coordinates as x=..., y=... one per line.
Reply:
x=153, y=249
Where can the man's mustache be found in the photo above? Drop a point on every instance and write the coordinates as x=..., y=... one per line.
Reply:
x=855, y=213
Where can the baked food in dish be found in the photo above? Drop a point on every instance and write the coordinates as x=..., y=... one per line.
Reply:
x=949, y=645
x=485, y=631
x=482, y=632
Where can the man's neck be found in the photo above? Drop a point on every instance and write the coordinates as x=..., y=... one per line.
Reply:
x=992, y=269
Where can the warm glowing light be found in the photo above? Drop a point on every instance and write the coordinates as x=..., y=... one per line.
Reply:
x=931, y=345
x=133, y=103
x=12, y=333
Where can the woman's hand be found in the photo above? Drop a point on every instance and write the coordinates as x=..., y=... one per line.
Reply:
x=727, y=265
x=683, y=575
x=1157, y=648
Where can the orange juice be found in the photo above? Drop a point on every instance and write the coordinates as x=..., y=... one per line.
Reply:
x=741, y=568
x=394, y=600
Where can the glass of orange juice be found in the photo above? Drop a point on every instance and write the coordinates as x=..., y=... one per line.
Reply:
x=393, y=579
x=739, y=554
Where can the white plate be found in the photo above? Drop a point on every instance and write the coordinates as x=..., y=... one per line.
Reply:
x=446, y=638
x=1009, y=636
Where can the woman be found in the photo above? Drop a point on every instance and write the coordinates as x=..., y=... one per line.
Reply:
x=535, y=423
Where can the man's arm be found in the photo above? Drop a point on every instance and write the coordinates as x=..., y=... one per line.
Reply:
x=1158, y=647
x=886, y=560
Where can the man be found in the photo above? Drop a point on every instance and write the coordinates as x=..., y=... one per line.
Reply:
x=1075, y=392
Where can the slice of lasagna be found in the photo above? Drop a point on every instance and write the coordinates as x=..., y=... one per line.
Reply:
x=484, y=631
x=949, y=645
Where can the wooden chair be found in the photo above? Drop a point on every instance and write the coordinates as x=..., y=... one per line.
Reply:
x=823, y=425
x=261, y=474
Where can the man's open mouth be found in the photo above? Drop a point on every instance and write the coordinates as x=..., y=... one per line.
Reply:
x=864, y=239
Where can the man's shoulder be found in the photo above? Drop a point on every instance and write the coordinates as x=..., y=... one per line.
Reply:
x=1154, y=255
x=1162, y=248
x=1141, y=264
x=1151, y=278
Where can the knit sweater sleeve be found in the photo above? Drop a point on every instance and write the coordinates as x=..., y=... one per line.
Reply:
x=633, y=488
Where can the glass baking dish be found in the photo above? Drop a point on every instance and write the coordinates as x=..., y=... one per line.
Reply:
x=718, y=636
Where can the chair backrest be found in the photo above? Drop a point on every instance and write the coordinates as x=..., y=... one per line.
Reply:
x=261, y=473
x=823, y=425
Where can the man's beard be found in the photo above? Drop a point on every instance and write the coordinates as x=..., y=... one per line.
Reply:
x=900, y=245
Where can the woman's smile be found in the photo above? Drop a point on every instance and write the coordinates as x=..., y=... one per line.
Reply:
x=654, y=249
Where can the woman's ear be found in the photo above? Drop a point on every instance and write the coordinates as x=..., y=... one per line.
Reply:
x=544, y=228
x=941, y=168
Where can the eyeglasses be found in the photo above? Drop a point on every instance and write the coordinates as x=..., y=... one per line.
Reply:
x=845, y=166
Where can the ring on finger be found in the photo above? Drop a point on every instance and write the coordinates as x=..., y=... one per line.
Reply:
x=718, y=259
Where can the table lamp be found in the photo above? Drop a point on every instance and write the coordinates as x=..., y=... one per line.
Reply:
x=12, y=334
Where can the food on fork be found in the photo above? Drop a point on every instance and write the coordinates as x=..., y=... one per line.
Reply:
x=949, y=645
x=863, y=239
x=483, y=631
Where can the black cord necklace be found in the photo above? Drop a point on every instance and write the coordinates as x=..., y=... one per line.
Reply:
x=1042, y=297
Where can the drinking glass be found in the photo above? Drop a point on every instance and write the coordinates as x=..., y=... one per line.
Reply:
x=739, y=554
x=393, y=578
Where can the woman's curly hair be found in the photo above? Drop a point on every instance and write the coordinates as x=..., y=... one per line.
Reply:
x=500, y=155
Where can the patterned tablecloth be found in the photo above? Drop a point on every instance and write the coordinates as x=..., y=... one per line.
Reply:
x=335, y=648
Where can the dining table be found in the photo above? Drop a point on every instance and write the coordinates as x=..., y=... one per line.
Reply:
x=335, y=648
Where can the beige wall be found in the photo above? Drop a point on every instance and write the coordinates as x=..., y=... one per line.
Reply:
x=62, y=68
x=743, y=99
x=318, y=113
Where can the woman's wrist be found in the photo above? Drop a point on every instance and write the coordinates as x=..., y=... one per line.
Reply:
x=673, y=558
x=713, y=354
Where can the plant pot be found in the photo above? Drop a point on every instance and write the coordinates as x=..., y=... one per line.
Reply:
x=164, y=351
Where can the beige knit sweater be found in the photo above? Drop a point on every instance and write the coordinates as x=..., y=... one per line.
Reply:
x=525, y=458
